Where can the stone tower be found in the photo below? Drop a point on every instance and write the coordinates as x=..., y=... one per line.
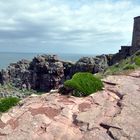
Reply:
x=136, y=36
x=127, y=51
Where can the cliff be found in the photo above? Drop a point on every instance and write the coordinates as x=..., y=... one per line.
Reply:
x=47, y=72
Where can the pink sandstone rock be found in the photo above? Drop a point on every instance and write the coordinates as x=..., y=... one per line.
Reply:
x=113, y=113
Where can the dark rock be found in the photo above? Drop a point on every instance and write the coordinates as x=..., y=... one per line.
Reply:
x=67, y=69
x=122, y=54
x=47, y=72
x=4, y=77
x=90, y=64
x=43, y=73
x=65, y=90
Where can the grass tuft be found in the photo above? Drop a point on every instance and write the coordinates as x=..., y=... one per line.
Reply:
x=84, y=84
x=7, y=103
x=137, y=60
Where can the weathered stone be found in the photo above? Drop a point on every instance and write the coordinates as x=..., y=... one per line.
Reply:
x=90, y=64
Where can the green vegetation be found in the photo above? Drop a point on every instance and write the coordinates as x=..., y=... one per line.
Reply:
x=137, y=60
x=129, y=67
x=7, y=103
x=84, y=84
x=124, y=66
x=10, y=88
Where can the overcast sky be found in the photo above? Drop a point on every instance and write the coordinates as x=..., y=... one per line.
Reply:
x=66, y=26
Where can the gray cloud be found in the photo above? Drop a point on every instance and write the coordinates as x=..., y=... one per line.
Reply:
x=51, y=25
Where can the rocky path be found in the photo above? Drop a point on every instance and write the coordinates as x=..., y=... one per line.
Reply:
x=112, y=114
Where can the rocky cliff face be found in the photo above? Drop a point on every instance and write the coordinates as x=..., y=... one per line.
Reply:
x=47, y=72
x=91, y=64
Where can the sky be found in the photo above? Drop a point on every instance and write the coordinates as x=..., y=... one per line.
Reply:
x=66, y=26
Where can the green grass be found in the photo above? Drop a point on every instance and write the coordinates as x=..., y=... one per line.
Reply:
x=125, y=65
x=7, y=103
x=84, y=84
x=137, y=60
x=9, y=87
x=129, y=67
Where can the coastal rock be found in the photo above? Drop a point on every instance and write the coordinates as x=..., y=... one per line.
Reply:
x=90, y=64
x=43, y=73
x=47, y=72
x=19, y=73
x=106, y=115
x=4, y=76
x=67, y=69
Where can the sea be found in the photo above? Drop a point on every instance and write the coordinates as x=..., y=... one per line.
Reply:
x=11, y=57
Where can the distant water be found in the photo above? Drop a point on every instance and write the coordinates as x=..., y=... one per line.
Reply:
x=7, y=58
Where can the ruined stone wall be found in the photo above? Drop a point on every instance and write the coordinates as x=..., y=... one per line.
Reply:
x=122, y=54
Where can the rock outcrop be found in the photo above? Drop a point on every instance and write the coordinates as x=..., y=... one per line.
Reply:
x=111, y=114
x=91, y=64
x=47, y=72
x=43, y=73
x=19, y=73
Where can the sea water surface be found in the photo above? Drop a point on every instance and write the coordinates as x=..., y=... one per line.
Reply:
x=11, y=57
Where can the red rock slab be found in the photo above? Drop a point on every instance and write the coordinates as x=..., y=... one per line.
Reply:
x=13, y=123
x=48, y=111
x=65, y=100
x=2, y=125
x=84, y=106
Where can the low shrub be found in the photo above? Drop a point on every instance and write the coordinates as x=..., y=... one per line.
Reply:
x=84, y=84
x=7, y=103
x=129, y=67
x=137, y=60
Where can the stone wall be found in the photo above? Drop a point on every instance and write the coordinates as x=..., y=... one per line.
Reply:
x=122, y=54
